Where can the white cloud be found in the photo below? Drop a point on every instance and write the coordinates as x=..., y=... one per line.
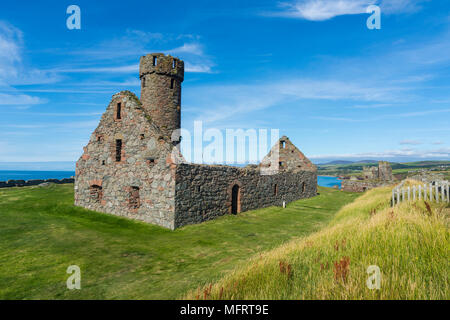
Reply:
x=113, y=69
x=215, y=103
x=191, y=48
x=12, y=71
x=19, y=99
x=320, y=10
x=410, y=142
x=442, y=153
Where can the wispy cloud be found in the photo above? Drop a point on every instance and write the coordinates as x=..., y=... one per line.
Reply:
x=382, y=117
x=19, y=99
x=410, y=142
x=215, y=103
x=113, y=56
x=12, y=70
x=320, y=10
x=441, y=153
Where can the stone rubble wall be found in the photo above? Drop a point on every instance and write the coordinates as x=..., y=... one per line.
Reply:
x=203, y=192
x=159, y=99
x=361, y=185
x=385, y=171
x=145, y=164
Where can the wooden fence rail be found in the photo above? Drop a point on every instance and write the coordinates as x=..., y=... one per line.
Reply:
x=436, y=191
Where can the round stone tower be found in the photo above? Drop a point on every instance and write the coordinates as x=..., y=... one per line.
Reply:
x=161, y=78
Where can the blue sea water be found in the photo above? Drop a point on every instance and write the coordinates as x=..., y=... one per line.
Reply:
x=325, y=181
x=6, y=175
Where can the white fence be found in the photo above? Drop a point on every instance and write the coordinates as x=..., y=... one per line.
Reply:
x=436, y=191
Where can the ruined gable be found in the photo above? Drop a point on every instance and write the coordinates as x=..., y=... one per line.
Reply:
x=285, y=156
x=128, y=162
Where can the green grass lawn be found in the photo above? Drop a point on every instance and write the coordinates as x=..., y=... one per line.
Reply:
x=42, y=233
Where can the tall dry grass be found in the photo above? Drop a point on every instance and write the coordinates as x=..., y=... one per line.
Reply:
x=409, y=243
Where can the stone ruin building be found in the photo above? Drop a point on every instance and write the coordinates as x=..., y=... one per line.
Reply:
x=372, y=177
x=132, y=167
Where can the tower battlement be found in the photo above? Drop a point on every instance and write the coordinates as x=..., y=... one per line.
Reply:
x=161, y=64
x=161, y=77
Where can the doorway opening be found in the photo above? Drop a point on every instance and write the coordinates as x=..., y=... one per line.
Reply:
x=235, y=200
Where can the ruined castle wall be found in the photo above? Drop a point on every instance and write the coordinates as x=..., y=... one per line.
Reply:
x=361, y=185
x=203, y=192
x=142, y=184
x=384, y=171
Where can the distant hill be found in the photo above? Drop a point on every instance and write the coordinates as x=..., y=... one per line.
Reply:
x=338, y=162
x=366, y=161
x=349, y=162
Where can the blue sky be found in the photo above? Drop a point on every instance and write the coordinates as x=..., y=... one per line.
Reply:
x=310, y=68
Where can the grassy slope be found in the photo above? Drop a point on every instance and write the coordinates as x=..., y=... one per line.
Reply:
x=42, y=233
x=411, y=248
x=397, y=168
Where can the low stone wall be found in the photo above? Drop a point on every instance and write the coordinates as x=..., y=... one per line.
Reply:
x=35, y=182
x=361, y=185
x=204, y=192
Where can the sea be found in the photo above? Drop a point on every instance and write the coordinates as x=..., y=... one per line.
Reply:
x=6, y=175
x=324, y=181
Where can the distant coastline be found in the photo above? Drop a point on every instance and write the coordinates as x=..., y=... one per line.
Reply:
x=25, y=175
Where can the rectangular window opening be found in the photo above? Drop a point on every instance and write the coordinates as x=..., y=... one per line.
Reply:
x=171, y=83
x=134, y=201
x=119, y=111
x=174, y=63
x=95, y=193
x=118, y=150
x=155, y=60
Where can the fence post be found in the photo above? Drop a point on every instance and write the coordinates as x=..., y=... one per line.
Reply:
x=393, y=197
x=448, y=195
x=431, y=192
x=436, y=184
x=409, y=193
x=425, y=192
x=403, y=194
x=420, y=192
x=398, y=195
x=414, y=193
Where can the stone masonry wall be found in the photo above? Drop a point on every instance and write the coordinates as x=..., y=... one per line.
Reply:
x=145, y=170
x=161, y=90
x=203, y=192
x=360, y=185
